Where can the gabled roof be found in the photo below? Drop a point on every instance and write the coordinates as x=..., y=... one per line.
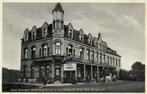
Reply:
x=58, y=7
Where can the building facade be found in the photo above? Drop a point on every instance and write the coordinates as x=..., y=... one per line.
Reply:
x=59, y=52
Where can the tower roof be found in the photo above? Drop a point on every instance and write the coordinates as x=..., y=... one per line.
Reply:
x=58, y=7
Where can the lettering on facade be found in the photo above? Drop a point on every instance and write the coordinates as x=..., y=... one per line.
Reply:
x=70, y=67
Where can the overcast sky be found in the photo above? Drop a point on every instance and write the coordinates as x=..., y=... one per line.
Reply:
x=121, y=26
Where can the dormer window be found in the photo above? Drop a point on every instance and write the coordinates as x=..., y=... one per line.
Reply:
x=81, y=35
x=44, y=29
x=33, y=35
x=44, y=32
x=26, y=37
x=70, y=33
x=90, y=39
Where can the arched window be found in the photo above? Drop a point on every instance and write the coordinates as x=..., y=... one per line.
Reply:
x=81, y=53
x=25, y=53
x=58, y=48
x=88, y=54
x=92, y=56
x=70, y=49
x=33, y=52
x=45, y=51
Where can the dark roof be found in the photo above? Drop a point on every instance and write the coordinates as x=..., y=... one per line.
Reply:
x=58, y=7
x=111, y=51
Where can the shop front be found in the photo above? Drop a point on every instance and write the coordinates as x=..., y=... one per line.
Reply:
x=69, y=72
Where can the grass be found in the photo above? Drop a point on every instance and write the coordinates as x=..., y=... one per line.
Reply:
x=119, y=86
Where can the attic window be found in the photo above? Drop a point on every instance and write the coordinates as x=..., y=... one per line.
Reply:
x=26, y=36
x=70, y=33
x=34, y=35
x=81, y=37
x=45, y=32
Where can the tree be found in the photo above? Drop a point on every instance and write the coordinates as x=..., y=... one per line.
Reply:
x=123, y=74
x=138, y=71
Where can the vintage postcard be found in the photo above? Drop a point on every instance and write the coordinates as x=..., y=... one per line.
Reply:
x=73, y=47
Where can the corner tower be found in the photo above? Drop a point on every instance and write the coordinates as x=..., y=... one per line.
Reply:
x=58, y=17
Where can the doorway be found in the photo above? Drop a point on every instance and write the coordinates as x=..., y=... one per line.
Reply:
x=57, y=74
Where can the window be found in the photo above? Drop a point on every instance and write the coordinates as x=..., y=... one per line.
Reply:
x=74, y=52
x=24, y=70
x=33, y=52
x=26, y=37
x=100, y=47
x=41, y=71
x=92, y=56
x=40, y=52
x=70, y=49
x=81, y=37
x=66, y=51
x=58, y=25
x=70, y=33
x=58, y=48
x=119, y=63
x=45, y=32
x=32, y=71
x=25, y=53
x=47, y=70
x=81, y=53
x=116, y=62
x=100, y=58
x=33, y=35
x=108, y=60
x=88, y=54
x=45, y=52
x=97, y=56
x=104, y=58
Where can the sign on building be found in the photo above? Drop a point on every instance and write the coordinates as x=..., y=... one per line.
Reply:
x=70, y=67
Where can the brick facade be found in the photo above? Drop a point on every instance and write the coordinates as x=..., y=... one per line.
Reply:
x=48, y=50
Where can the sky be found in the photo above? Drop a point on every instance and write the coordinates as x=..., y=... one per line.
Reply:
x=120, y=24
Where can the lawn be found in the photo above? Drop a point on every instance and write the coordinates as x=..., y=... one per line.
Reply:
x=119, y=86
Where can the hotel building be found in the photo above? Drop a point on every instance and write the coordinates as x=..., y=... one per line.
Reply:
x=59, y=52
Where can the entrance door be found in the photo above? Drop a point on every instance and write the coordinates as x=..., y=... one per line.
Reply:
x=57, y=74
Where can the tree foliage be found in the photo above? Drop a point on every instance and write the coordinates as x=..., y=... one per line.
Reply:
x=137, y=73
